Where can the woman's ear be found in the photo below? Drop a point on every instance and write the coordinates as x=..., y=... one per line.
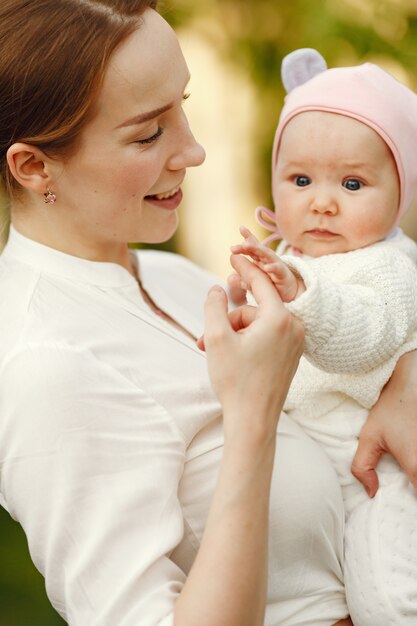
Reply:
x=29, y=166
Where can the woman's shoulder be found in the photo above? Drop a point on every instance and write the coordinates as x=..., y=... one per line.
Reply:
x=18, y=284
x=38, y=310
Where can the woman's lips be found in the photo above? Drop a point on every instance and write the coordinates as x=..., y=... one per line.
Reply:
x=171, y=202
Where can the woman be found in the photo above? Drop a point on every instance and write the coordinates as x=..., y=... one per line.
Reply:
x=145, y=499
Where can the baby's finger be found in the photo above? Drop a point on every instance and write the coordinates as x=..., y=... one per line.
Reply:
x=238, y=248
x=257, y=252
x=279, y=270
x=248, y=235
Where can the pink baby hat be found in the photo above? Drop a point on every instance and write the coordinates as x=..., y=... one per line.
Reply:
x=366, y=93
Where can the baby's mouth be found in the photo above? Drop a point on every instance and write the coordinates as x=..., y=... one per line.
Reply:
x=321, y=232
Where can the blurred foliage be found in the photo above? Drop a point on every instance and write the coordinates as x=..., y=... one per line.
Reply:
x=23, y=600
x=251, y=37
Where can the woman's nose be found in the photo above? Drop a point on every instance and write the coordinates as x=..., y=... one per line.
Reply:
x=188, y=152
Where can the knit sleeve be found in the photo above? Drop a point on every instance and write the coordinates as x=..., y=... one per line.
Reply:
x=355, y=324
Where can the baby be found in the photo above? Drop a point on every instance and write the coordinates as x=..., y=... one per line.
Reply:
x=344, y=173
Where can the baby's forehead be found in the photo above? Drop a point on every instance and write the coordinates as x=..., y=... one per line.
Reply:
x=323, y=122
x=323, y=136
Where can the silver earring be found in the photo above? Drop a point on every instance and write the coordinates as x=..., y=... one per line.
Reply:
x=50, y=197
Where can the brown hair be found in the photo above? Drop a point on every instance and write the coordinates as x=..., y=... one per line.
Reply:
x=53, y=55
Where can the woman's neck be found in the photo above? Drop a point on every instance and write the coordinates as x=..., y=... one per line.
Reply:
x=69, y=239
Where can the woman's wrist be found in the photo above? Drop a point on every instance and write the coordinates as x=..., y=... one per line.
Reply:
x=404, y=375
x=251, y=428
x=235, y=542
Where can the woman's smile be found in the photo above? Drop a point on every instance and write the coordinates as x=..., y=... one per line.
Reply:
x=167, y=200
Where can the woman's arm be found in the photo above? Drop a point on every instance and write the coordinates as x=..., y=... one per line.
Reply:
x=91, y=463
x=391, y=427
x=252, y=358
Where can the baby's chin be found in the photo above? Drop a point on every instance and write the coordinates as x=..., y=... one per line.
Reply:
x=316, y=246
x=318, y=249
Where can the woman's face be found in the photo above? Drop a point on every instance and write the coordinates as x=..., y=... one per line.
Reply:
x=123, y=183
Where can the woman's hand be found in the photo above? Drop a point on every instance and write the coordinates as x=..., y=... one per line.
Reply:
x=236, y=291
x=252, y=356
x=252, y=352
x=391, y=427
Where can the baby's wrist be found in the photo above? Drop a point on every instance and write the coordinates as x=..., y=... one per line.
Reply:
x=299, y=283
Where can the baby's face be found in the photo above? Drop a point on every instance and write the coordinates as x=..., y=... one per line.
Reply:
x=335, y=184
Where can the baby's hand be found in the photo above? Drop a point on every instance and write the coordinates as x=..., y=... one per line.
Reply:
x=288, y=284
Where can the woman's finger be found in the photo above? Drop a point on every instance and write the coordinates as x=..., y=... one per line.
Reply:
x=242, y=317
x=237, y=290
x=239, y=319
x=216, y=316
x=368, y=454
x=259, y=283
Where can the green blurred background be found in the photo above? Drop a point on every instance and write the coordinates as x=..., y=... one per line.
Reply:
x=247, y=39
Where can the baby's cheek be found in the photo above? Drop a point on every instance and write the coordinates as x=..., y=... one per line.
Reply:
x=286, y=217
x=281, y=220
x=369, y=229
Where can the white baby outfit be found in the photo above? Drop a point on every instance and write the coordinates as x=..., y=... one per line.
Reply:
x=111, y=439
x=360, y=315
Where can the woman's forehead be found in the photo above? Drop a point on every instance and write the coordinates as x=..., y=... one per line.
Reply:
x=147, y=71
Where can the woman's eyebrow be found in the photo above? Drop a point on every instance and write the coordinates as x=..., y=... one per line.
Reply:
x=145, y=117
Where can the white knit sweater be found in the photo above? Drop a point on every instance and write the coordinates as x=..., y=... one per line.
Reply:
x=360, y=315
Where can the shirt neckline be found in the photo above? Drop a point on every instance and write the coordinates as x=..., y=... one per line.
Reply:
x=54, y=262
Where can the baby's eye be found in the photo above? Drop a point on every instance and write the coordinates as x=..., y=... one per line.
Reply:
x=302, y=181
x=353, y=184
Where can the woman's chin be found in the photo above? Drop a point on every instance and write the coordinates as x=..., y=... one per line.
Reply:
x=162, y=234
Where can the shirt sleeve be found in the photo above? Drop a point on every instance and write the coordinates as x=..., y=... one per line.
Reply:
x=355, y=325
x=90, y=467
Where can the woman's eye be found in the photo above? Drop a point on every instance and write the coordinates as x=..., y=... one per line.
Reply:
x=302, y=181
x=153, y=138
x=353, y=184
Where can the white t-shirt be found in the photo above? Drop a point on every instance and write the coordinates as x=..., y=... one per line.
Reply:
x=110, y=441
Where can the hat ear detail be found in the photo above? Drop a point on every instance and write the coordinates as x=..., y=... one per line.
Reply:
x=301, y=65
